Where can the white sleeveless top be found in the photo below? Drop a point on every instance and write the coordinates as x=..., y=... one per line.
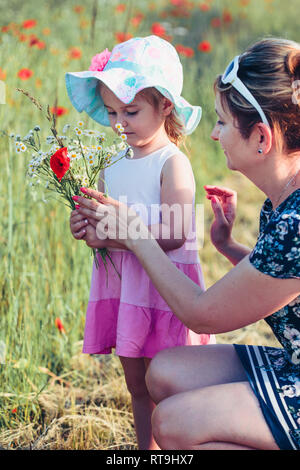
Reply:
x=137, y=183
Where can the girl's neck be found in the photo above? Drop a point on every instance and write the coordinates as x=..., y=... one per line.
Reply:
x=150, y=147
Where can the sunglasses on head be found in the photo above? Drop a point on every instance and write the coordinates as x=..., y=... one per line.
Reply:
x=230, y=76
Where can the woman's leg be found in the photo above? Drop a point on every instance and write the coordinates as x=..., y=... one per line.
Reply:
x=142, y=404
x=187, y=368
x=205, y=401
x=225, y=416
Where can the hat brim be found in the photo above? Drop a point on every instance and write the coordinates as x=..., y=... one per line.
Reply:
x=85, y=96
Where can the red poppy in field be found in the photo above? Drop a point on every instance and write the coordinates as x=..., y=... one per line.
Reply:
x=27, y=24
x=204, y=6
x=121, y=37
x=185, y=51
x=59, y=110
x=41, y=45
x=14, y=410
x=158, y=29
x=59, y=325
x=120, y=8
x=137, y=19
x=5, y=29
x=22, y=37
x=227, y=16
x=204, y=46
x=33, y=40
x=2, y=74
x=25, y=74
x=60, y=164
x=75, y=53
x=78, y=9
x=216, y=22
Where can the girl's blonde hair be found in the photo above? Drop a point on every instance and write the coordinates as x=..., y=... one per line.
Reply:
x=270, y=69
x=173, y=126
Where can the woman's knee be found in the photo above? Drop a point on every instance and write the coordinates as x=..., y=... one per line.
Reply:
x=158, y=376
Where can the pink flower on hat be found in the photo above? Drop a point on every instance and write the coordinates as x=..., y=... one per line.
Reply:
x=99, y=61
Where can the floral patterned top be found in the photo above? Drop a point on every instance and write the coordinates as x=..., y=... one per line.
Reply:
x=277, y=253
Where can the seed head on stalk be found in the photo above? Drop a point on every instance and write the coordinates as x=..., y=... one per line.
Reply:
x=50, y=116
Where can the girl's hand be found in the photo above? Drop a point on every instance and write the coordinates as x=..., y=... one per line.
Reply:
x=223, y=202
x=112, y=219
x=78, y=223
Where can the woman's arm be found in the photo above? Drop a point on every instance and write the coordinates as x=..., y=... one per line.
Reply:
x=243, y=296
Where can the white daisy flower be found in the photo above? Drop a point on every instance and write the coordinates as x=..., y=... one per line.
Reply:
x=123, y=137
x=80, y=123
x=119, y=127
x=78, y=131
x=73, y=156
x=91, y=133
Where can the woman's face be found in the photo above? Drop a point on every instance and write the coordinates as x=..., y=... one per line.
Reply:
x=237, y=149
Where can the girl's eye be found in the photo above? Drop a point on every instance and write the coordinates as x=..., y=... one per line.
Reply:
x=220, y=123
x=111, y=113
x=132, y=113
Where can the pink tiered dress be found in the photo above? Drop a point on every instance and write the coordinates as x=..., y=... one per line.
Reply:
x=129, y=315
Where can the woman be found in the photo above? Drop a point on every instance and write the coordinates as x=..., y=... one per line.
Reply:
x=234, y=396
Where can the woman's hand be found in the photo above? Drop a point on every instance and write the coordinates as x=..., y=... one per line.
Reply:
x=112, y=219
x=223, y=202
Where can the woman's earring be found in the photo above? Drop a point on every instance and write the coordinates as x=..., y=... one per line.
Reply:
x=260, y=151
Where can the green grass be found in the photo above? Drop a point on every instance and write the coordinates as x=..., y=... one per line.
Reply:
x=62, y=398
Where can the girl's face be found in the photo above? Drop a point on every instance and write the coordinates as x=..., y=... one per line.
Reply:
x=237, y=149
x=141, y=121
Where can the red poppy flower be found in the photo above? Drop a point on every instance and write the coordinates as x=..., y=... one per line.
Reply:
x=60, y=162
x=204, y=7
x=227, y=16
x=14, y=410
x=122, y=37
x=2, y=74
x=28, y=24
x=185, y=51
x=59, y=325
x=74, y=53
x=78, y=9
x=24, y=74
x=204, y=46
x=58, y=110
x=158, y=29
x=216, y=22
x=120, y=8
x=33, y=41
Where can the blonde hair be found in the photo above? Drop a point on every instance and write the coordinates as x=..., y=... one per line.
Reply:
x=173, y=126
x=269, y=69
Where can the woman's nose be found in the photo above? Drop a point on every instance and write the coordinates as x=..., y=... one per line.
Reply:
x=215, y=133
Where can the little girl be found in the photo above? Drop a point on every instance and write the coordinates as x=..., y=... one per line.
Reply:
x=139, y=85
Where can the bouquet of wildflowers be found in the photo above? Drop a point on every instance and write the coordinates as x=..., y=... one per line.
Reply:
x=64, y=163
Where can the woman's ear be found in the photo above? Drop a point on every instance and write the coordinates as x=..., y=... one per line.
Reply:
x=265, y=138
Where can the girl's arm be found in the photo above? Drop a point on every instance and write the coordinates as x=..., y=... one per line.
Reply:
x=177, y=193
x=223, y=203
x=241, y=297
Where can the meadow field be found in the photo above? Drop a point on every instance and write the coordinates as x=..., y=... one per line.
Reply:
x=51, y=395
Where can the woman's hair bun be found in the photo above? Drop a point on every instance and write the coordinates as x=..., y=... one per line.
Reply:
x=292, y=64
